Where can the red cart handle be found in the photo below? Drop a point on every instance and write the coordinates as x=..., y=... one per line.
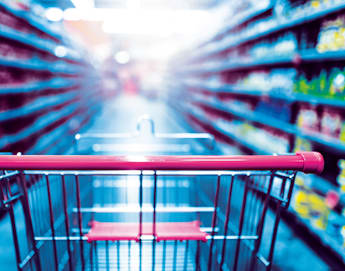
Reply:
x=308, y=162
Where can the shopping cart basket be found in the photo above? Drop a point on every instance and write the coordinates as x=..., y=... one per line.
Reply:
x=224, y=214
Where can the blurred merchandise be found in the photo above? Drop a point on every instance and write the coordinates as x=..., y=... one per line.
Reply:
x=332, y=123
x=308, y=119
x=341, y=176
x=332, y=35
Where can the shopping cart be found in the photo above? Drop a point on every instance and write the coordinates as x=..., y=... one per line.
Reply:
x=223, y=215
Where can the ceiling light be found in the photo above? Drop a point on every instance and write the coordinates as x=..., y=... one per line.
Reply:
x=122, y=57
x=54, y=14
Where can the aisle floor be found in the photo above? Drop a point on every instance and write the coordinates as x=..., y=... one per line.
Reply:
x=120, y=116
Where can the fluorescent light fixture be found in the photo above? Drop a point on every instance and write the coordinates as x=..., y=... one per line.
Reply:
x=122, y=57
x=83, y=4
x=54, y=14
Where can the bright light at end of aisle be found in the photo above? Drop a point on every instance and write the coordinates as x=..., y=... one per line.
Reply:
x=122, y=57
x=155, y=22
x=72, y=14
x=83, y=4
x=133, y=4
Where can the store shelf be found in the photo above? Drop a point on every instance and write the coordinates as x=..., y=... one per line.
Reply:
x=37, y=105
x=33, y=41
x=293, y=58
x=37, y=64
x=334, y=145
x=41, y=123
x=35, y=21
x=241, y=64
x=328, y=241
x=202, y=118
x=52, y=142
x=287, y=24
x=289, y=98
x=247, y=16
x=38, y=86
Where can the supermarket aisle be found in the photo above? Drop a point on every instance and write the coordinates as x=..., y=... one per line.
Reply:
x=120, y=116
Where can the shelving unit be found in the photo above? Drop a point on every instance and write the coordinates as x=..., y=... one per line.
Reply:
x=55, y=98
x=215, y=76
x=291, y=59
x=279, y=26
x=37, y=64
x=34, y=21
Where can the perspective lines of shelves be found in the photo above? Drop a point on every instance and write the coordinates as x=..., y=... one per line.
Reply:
x=290, y=97
x=232, y=136
x=292, y=58
x=252, y=13
x=37, y=105
x=39, y=124
x=286, y=24
x=33, y=21
x=260, y=118
x=32, y=40
x=39, y=65
x=38, y=86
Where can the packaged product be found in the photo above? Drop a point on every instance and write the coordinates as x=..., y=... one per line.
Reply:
x=307, y=118
x=302, y=84
x=302, y=144
x=332, y=35
x=331, y=123
x=337, y=83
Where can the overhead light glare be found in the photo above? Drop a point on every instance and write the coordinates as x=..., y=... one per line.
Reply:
x=133, y=4
x=122, y=57
x=84, y=4
x=72, y=14
x=54, y=14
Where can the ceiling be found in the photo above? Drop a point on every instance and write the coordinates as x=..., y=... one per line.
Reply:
x=174, y=4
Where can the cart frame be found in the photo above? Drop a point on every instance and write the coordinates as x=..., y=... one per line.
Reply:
x=26, y=170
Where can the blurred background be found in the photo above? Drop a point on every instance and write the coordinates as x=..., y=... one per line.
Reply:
x=262, y=77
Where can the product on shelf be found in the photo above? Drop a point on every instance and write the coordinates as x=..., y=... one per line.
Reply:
x=307, y=118
x=310, y=205
x=331, y=123
x=279, y=81
x=337, y=83
x=274, y=108
x=284, y=44
x=302, y=144
x=325, y=84
x=341, y=176
x=267, y=139
x=332, y=35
